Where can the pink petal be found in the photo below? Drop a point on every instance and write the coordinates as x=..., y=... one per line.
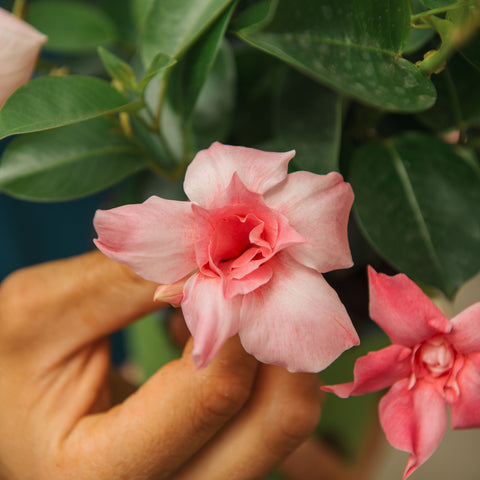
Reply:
x=20, y=46
x=402, y=310
x=465, y=411
x=413, y=420
x=155, y=238
x=317, y=207
x=212, y=169
x=210, y=317
x=260, y=276
x=465, y=333
x=376, y=371
x=296, y=320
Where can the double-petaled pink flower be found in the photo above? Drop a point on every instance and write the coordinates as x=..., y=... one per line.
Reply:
x=246, y=255
x=432, y=363
x=20, y=45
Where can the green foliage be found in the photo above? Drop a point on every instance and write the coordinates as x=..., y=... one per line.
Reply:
x=68, y=162
x=348, y=50
x=51, y=102
x=82, y=26
x=418, y=202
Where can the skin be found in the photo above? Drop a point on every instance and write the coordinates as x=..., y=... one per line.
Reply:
x=64, y=415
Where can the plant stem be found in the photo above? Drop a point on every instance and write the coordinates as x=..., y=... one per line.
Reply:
x=19, y=8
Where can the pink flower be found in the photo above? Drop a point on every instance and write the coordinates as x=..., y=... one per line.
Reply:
x=20, y=45
x=433, y=362
x=247, y=252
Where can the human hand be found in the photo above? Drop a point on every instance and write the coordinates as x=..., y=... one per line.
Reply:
x=59, y=416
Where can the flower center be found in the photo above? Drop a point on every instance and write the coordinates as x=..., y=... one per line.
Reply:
x=437, y=355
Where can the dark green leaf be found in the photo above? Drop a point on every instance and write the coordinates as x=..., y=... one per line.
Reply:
x=418, y=201
x=68, y=162
x=345, y=46
x=471, y=52
x=418, y=37
x=258, y=14
x=118, y=69
x=71, y=26
x=190, y=75
x=171, y=26
x=50, y=102
x=308, y=119
x=436, y=3
x=458, y=102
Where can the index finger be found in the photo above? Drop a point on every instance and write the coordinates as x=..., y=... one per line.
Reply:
x=72, y=302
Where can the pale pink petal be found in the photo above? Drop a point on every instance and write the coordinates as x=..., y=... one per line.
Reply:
x=376, y=371
x=402, y=310
x=260, y=276
x=465, y=334
x=317, y=207
x=155, y=238
x=20, y=45
x=296, y=320
x=413, y=420
x=212, y=169
x=210, y=317
x=465, y=411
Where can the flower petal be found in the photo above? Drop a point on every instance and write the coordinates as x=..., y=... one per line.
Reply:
x=376, y=371
x=317, y=207
x=465, y=333
x=210, y=317
x=402, y=310
x=413, y=420
x=212, y=169
x=20, y=46
x=296, y=320
x=155, y=238
x=465, y=411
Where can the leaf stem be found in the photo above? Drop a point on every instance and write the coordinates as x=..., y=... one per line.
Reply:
x=19, y=8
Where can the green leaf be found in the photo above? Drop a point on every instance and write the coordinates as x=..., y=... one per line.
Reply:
x=259, y=14
x=51, y=101
x=118, y=69
x=159, y=64
x=346, y=47
x=72, y=27
x=68, y=162
x=430, y=4
x=471, y=52
x=190, y=75
x=213, y=115
x=171, y=26
x=418, y=201
x=458, y=103
x=418, y=37
x=308, y=119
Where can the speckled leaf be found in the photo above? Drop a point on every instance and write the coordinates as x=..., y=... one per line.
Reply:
x=418, y=201
x=171, y=26
x=73, y=26
x=346, y=46
x=68, y=162
x=458, y=103
x=50, y=102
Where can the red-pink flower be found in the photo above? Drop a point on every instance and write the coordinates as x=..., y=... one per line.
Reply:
x=20, y=45
x=248, y=252
x=432, y=363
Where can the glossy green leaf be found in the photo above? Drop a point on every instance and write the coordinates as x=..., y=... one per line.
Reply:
x=72, y=27
x=458, y=103
x=118, y=69
x=50, y=102
x=418, y=201
x=190, y=75
x=308, y=119
x=158, y=65
x=68, y=162
x=171, y=26
x=346, y=47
